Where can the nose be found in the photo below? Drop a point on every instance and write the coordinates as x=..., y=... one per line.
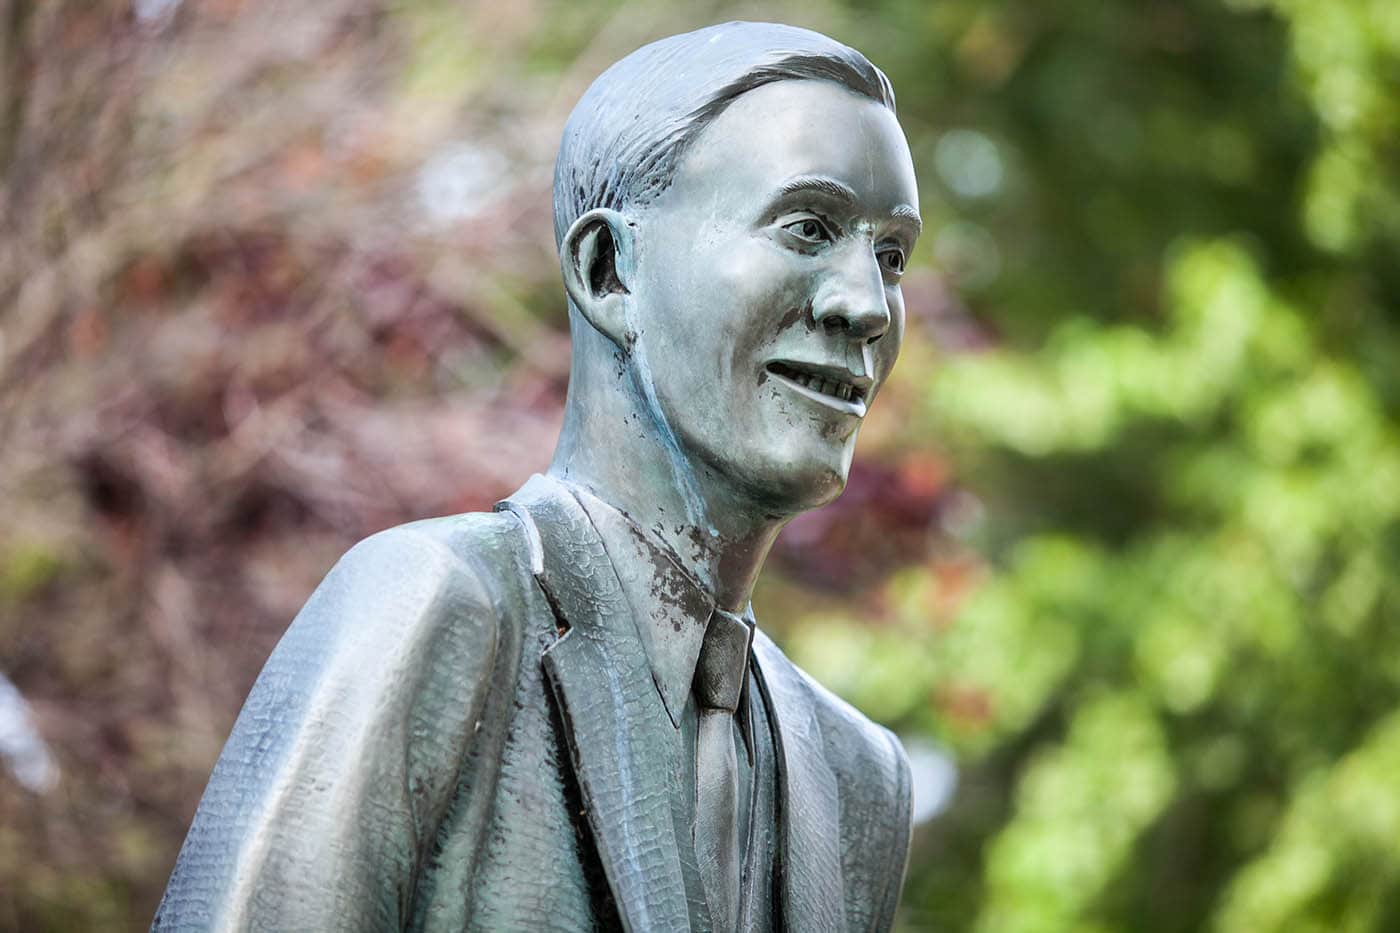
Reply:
x=851, y=299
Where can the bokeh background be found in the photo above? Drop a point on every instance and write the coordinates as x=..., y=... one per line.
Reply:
x=1118, y=558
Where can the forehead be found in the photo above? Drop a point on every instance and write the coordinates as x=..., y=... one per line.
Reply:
x=792, y=128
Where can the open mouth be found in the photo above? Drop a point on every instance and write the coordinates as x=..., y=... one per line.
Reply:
x=820, y=381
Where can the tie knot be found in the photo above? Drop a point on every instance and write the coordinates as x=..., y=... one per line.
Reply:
x=724, y=660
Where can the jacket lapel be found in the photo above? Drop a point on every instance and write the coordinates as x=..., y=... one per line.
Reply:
x=808, y=795
x=626, y=752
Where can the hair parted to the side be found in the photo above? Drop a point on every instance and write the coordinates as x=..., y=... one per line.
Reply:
x=627, y=134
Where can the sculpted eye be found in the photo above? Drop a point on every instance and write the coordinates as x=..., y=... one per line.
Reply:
x=892, y=260
x=809, y=229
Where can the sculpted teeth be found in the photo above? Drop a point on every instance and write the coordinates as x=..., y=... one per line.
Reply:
x=842, y=390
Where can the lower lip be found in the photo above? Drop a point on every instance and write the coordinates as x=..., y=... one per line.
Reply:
x=855, y=407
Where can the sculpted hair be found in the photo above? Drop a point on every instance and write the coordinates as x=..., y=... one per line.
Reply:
x=628, y=133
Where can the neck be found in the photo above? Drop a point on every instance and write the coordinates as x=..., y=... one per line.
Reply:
x=613, y=445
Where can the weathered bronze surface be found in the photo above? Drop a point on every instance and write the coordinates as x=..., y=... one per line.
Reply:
x=490, y=721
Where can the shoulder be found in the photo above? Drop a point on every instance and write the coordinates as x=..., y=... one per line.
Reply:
x=408, y=622
x=859, y=749
x=872, y=776
x=865, y=756
x=416, y=581
x=387, y=666
x=347, y=751
x=484, y=542
x=453, y=557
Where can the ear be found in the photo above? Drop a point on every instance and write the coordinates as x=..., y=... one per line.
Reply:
x=596, y=257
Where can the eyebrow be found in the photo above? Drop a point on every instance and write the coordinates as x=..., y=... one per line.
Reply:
x=832, y=188
x=819, y=184
x=907, y=213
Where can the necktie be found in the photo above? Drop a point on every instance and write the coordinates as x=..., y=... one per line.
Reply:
x=719, y=682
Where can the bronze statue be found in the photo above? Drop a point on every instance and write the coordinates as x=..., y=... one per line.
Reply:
x=560, y=715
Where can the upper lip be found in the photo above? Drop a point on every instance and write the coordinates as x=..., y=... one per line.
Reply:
x=835, y=380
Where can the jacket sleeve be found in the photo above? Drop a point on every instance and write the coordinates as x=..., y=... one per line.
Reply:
x=346, y=753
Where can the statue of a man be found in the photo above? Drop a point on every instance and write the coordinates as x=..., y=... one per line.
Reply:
x=560, y=715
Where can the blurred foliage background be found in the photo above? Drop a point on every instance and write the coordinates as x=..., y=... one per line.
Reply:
x=1119, y=555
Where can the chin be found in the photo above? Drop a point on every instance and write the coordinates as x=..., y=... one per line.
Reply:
x=788, y=487
x=789, y=475
x=817, y=495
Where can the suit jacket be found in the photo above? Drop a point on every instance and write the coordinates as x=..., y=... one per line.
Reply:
x=460, y=731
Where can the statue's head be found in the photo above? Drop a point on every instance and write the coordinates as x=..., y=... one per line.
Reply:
x=734, y=208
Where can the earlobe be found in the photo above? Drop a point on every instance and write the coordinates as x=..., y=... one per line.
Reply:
x=595, y=257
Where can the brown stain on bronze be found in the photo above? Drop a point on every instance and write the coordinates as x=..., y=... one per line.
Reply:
x=670, y=585
x=795, y=314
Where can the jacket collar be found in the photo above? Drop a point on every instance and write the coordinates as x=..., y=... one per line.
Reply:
x=627, y=753
x=672, y=609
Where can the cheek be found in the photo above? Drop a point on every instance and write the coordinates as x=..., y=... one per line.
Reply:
x=763, y=292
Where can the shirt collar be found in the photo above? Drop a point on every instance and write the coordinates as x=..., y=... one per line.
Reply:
x=672, y=609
